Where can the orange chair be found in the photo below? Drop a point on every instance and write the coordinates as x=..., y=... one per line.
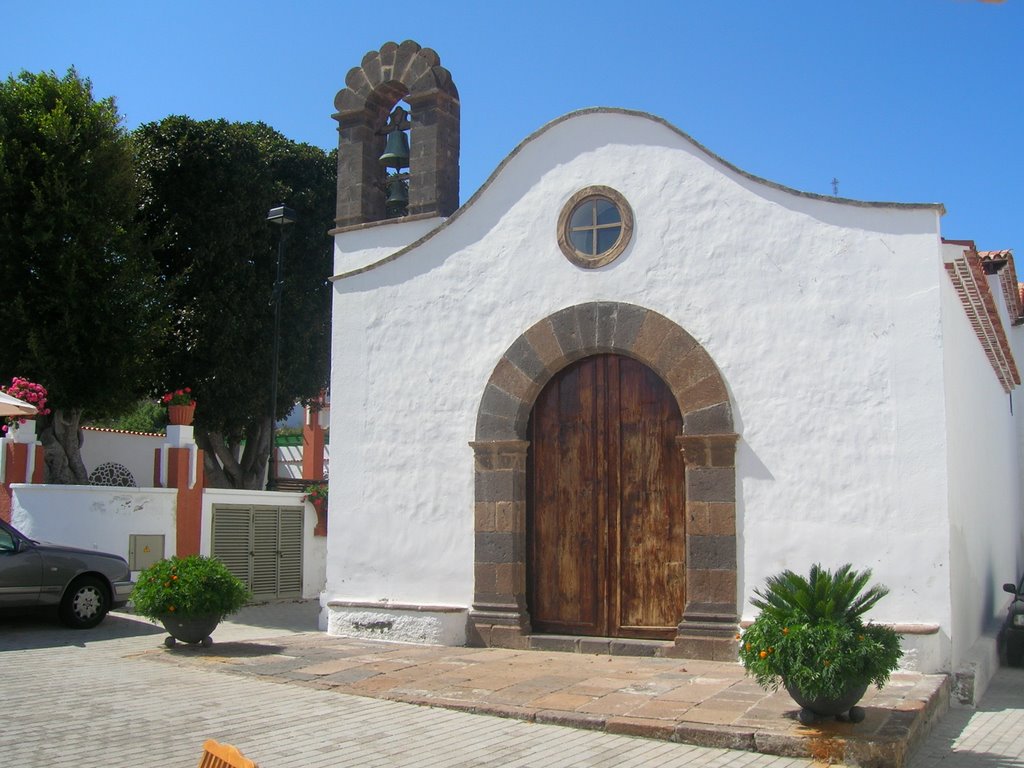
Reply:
x=223, y=756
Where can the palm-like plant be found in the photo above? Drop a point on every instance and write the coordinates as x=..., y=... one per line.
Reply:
x=822, y=596
x=810, y=633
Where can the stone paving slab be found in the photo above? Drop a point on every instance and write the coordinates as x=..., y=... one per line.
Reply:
x=92, y=699
x=711, y=704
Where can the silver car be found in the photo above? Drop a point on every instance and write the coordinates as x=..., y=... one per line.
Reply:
x=82, y=583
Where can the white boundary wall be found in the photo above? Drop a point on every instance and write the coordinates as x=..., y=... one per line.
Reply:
x=133, y=451
x=94, y=517
x=103, y=518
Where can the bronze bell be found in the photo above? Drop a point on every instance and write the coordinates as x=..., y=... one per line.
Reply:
x=396, y=151
x=398, y=192
x=397, y=203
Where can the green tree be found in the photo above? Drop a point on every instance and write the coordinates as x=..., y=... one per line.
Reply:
x=78, y=306
x=207, y=187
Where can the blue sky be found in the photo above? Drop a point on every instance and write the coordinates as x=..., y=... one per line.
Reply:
x=900, y=100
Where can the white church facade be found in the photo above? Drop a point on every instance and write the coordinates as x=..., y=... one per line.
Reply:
x=598, y=404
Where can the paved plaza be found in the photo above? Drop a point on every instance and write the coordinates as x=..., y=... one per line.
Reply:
x=114, y=697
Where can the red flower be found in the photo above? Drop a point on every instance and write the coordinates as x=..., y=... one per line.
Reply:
x=181, y=396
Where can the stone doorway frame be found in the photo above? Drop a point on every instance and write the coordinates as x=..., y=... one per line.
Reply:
x=499, y=616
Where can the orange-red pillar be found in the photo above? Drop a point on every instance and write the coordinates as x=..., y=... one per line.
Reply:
x=190, y=498
x=179, y=464
x=312, y=446
x=16, y=470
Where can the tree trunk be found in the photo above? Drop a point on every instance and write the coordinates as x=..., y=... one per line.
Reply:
x=212, y=445
x=229, y=466
x=256, y=454
x=62, y=444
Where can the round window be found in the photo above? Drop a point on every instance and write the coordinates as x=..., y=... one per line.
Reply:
x=595, y=226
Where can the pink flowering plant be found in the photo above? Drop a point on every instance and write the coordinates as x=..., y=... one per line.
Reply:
x=29, y=392
x=179, y=397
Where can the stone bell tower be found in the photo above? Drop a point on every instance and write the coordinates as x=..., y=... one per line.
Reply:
x=395, y=73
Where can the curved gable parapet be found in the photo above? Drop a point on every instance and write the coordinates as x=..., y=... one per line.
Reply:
x=595, y=328
x=699, y=149
x=392, y=73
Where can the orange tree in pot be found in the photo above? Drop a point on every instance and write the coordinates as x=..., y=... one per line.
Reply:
x=810, y=637
x=189, y=596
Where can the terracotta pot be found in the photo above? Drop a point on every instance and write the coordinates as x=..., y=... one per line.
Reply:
x=190, y=629
x=181, y=415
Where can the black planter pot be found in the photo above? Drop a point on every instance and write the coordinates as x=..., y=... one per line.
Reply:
x=190, y=629
x=841, y=708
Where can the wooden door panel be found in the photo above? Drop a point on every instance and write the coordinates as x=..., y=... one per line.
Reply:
x=605, y=528
x=651, y=544
x=564, y=535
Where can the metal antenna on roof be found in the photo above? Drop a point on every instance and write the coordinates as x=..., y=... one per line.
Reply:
x=835, y=187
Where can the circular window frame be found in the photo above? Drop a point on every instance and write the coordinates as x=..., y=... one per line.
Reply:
x=587, y=260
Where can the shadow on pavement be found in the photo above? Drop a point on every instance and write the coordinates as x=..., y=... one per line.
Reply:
x=40, y=628
x=233, y=649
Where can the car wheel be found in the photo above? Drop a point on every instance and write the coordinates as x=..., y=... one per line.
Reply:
x=85, y=603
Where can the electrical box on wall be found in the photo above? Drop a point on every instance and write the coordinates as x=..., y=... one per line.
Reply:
x=144, y=549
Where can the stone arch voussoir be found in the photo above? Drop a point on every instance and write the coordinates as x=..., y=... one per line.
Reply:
x=603, y=327
x=499, y=616
x=383, y=78
x=406, y=69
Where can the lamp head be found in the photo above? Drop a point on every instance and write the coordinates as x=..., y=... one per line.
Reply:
x=282, y=215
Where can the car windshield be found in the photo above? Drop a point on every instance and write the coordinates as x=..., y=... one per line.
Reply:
x=7, y=535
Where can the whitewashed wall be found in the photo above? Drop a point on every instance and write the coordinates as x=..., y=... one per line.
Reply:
x=133, y=451
x=984, y=494
x=94, y=517
x=823, y=317
x=1017, y=346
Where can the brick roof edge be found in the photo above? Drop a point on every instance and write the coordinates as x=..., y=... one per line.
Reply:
x=980, y=307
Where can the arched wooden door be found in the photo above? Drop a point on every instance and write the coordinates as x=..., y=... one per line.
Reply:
x=605, y=529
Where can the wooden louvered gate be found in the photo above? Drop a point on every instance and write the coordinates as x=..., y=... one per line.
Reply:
x=261, y=545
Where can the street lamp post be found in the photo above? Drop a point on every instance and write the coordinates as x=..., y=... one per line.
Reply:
x=280, y=215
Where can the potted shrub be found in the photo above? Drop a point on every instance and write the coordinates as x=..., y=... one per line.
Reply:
x=811, y=638
x=181, y=406
x=189, y=596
